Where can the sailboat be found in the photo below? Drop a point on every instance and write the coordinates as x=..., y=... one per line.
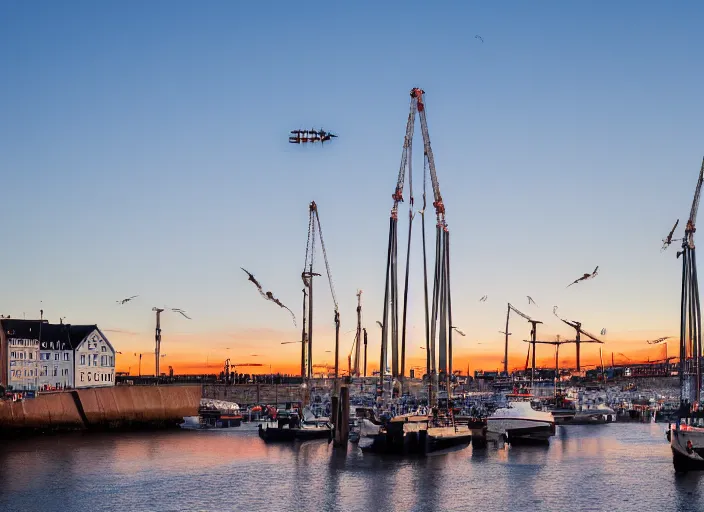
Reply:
x=686, y=435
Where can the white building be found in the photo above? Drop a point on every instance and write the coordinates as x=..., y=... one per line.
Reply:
x=20, y=353
x=37, y=355
x=55, y=358
x=94, y=357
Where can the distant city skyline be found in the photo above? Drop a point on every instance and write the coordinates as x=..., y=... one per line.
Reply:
x=144, y=151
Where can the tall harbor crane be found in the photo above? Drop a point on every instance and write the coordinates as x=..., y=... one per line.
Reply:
x=533, y=334
x=307, y=275
x=438, y=324
x=690, y=312
x=577, y=326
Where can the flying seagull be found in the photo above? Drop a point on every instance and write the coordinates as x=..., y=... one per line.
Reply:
x=124, y=301
x=276, y=301
x=256, y=283
x=554, y=311
x=659, y=340
x=585, y=276
x=458, y=331
x=603, y=332
x=483, y=299
x=530, y=300
x=668, y=240
x=181, y=312
x=268, y=295
x=479, y=37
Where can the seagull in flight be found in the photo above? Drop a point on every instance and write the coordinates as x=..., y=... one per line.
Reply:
x=458, y=331
x=270, y=295
x=530, y=300
x=603, y=331
x=479, y=37
x=659, y=340
x=483, y=299
x=276, y=301
x=256, y=283
x=181, y=312
x=584, y=277
x=125, y=301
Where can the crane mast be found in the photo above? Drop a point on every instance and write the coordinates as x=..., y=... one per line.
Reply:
x=510, y=308
x=690, y=312
x=577, y=326
x=438, y=330
x=314, y=229
x=532, y=341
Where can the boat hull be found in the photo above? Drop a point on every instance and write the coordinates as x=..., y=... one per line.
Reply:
x=687, y=450
x=522, y=430
x=284, y=434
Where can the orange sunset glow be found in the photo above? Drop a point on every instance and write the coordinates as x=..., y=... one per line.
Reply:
x=262, y=349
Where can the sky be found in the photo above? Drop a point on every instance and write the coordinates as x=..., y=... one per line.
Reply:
x=144, y=150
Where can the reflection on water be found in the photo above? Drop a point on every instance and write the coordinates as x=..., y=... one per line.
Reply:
x=601, y=467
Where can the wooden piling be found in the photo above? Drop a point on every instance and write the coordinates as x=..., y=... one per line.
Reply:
x=341, y=406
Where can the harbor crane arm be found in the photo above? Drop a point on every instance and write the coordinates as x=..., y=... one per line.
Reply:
x=418, y=95
x=578, y=327
x=690, y=229
x=406, y=155
x=519, y=313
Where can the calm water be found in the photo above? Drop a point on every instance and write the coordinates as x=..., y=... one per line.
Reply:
x=607, y=467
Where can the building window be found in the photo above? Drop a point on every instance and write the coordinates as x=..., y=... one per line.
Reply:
x=56, y=357
x=65, y=356
x=104, y=348
x=83, y=361
x=56, y=371
x=112, y=361
x=81, y=376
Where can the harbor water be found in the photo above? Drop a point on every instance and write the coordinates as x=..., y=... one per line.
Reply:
x=600, y=467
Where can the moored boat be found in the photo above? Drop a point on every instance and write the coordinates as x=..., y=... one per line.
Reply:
x=214, y=414
x=519, y=422
x=291, y=427
x=687, y=444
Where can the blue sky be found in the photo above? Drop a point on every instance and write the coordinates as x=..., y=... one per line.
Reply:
x=143, y=150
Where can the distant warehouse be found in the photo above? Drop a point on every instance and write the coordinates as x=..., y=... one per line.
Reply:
x=37, y=355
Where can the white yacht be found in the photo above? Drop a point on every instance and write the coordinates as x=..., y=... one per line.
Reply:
x=589, y=414
x=519, y=422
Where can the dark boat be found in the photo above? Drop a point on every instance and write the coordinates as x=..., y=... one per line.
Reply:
x=686, y=437
x=414, y=434
x=687, y=448
x=290, y=427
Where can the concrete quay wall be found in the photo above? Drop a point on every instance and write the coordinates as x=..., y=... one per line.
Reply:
x=100, y=408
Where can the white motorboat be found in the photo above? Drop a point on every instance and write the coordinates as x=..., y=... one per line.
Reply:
x=519, y=422
x=594, y=414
